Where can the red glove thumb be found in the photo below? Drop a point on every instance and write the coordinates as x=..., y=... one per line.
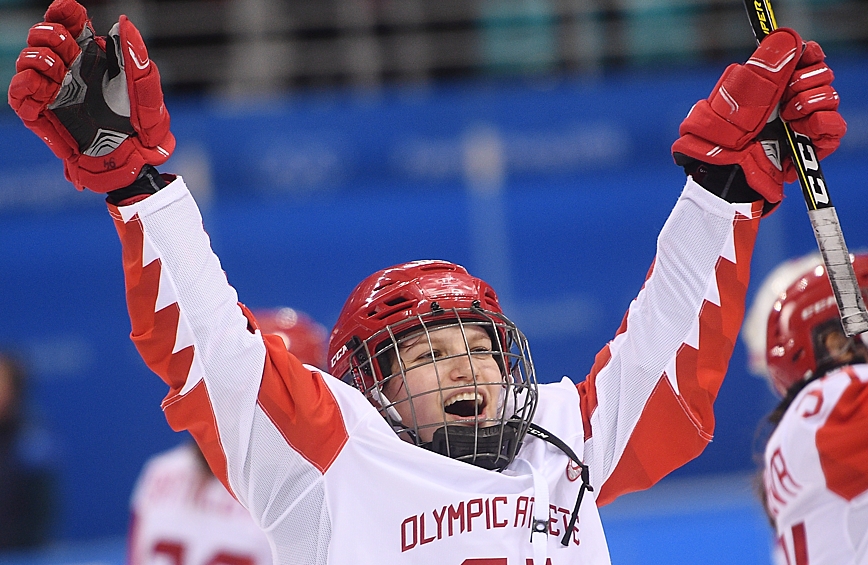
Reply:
x=148, y=113
x=810, y=103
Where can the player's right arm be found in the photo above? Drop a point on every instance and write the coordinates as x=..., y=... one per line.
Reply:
x=228, y=385
x=254, y=409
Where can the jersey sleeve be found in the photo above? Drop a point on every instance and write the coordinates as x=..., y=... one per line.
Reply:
x=842, y=440
x=268, y=425
x=647, y=402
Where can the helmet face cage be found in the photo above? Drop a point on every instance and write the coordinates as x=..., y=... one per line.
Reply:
x=490, y=417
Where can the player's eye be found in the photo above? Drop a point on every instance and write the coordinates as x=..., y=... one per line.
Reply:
x=427, y=355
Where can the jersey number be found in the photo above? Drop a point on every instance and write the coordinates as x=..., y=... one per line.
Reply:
x=799, y=555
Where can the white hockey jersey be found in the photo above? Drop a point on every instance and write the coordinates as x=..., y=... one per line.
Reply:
x=330, y=483
x=816, y=473
x=182, y=515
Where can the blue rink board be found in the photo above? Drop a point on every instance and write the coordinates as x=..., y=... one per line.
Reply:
x=710, y=520
x=707, y=520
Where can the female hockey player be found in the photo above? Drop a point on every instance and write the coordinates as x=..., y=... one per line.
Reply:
x=815, y=474
x=452, y=453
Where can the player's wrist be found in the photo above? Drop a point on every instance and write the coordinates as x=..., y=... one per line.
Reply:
x=149, y=182
x=727, y=182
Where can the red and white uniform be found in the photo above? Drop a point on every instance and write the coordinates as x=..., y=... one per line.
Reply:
x=816, y=473
x=182, y=515
x=328, y=480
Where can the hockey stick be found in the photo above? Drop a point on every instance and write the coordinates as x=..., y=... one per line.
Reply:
x=824, y=218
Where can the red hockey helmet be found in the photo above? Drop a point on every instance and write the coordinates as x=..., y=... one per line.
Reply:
x=415, y=299
x=800, y=318
x=304, y=337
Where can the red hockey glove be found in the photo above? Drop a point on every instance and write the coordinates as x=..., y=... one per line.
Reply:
x=95, y=101
x=724, y=129
x=810, y=104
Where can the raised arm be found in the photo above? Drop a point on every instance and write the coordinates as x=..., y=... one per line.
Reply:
x=98, y=104
x=647, y=403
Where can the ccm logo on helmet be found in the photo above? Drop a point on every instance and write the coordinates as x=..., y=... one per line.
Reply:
x=340, y=353
x=818, y=307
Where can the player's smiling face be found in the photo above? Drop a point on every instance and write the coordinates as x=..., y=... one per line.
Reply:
x=445, y=383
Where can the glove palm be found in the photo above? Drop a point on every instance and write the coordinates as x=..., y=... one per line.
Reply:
x=95, y=101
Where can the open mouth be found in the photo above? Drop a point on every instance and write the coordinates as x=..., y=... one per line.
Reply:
x=465, y=405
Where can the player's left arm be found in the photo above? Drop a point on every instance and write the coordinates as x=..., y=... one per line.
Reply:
x=647, y=404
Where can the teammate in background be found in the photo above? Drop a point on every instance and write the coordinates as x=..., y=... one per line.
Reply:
x=815, y=475
x=28, y=503
x=753, y=333
x=452, y=453
x=181, y=513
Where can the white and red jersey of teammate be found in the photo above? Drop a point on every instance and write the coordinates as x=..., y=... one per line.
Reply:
x=182, y=515
x=816, y=472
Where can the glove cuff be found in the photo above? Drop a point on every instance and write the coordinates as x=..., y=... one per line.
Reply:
x=148, y=182
x=114, y=170
x=727, y=182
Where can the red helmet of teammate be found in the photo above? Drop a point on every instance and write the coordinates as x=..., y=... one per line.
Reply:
x=410, y=300
x=304, y=338
x=799, y=322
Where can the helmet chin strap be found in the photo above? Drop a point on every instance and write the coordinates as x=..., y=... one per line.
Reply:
x=393, y=417
x=538, y=432
x=387, y=405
